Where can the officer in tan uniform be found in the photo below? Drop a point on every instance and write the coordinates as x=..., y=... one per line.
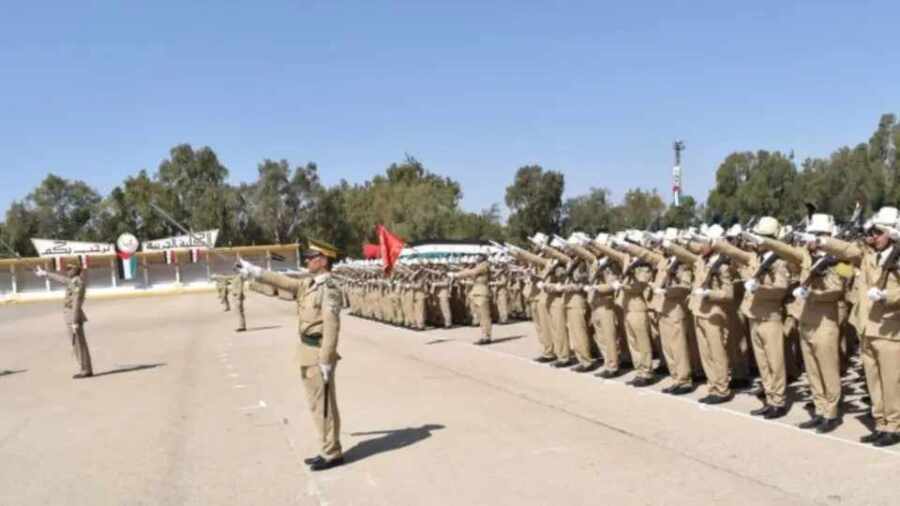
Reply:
x=480, y=295
x=817, y=296
x=763, y=305
x=236, y=290
x=74, y=315
x=319, y=303
x=878, y=319
x=222, y=290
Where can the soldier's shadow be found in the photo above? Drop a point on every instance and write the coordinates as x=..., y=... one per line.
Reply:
x=130, y=368
x=11, y=372
x=389, y=440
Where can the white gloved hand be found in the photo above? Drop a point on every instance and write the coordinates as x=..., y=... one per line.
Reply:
x=589, y=289
x=249, y=269
x=40, y=272
x=659, y=291
x=540, y=285
x=326, y=372
x=616, y=285
x=74, y=327
x=666, y=243
x=751, y=285
x=751, y=237
x=801, y=292
x=701, y=292
x=875, y=295
x=451, y=275
x=806, y=237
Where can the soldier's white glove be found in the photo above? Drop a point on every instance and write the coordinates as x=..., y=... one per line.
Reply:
x=809, y=238
x=589, y=289
x=751, y=285
x=666, y=243
x=876, y=295
x=74, y=327
x=451, y=275
x=751, y=237
x=701, y=292
x=659, y=291
x=540, y=285
x=616, y=285
x=326, y=372
x=801, y=292
x=248, y=269
x=40, y=272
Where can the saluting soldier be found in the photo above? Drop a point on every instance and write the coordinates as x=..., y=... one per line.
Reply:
x=73, y=314
x=480, y=295
x=319, y=303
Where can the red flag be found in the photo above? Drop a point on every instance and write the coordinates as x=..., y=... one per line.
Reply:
x=371, y=251
x=389, y=246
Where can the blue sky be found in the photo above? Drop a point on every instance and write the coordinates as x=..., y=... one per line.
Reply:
x=597, y=90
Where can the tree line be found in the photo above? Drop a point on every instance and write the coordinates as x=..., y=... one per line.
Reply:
x=288, y=203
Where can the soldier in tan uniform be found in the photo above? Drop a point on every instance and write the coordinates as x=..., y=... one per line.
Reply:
x=74, y=315
x=319, y=303
x=480, y=295
x=222, y=290
x=878, y=319
x=766, y=281
x=236, y=290
x=817, y=297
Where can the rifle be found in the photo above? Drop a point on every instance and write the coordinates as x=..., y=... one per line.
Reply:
x=819, y=268
x=671, y=269
x=889, y=265
x=768, y=260
x=714, y=269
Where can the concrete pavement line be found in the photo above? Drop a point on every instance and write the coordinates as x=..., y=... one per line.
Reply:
x=700, y=406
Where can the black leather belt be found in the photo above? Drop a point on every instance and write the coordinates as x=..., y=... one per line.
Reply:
x=311, y=339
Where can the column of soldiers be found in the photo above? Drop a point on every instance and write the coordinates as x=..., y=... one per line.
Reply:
x=713, y=304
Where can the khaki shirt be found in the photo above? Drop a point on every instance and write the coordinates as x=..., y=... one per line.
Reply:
x=319, y=303
x=481, y=274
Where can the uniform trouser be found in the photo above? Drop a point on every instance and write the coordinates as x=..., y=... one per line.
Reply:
x=674, y=343
x=603, y=319
x=821, y=355
x=419, y=312
x=80, y=348
x=881, y=359
x=446, y=312
x=637, y=330
x=576, y=324
x=239, y=308
x=738, y=354
x=542, y=325
x=328, y=425
x=767, y=337
x=407, y=302
x=502, y=306
x=712, y=341
x=223, y=298
x=558, y=329
x=481, y=306
x=794, y=356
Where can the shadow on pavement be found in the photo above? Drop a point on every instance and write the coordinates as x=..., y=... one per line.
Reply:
x=270, y=327
x=438, y=341
x=504, y=339
x=130, y=368
x=390, y=440
x=9, y=373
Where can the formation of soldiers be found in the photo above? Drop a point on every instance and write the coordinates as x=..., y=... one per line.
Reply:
x=713, y=305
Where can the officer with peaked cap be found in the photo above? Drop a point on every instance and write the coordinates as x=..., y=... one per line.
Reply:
x=319, y=303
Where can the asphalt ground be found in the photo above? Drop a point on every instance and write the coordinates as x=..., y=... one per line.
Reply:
x=183, y=410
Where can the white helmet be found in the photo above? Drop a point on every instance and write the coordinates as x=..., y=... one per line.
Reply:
x=539, y=238
x=714, y=232
x=767, y=226
x=886, y=216
x=602, y=238
x=734, y=231
x=670, y=234
x=821, y=224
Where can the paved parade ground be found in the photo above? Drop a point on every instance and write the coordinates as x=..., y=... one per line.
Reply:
x=182, y=410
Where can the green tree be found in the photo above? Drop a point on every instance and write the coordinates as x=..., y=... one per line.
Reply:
x=640, y=209
x=590, y=213
x=63, y=209
x=535, y=201
x=755, y=184
x=193, y=188
x=683, y=215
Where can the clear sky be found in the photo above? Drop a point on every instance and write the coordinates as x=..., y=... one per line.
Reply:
x=474, y=89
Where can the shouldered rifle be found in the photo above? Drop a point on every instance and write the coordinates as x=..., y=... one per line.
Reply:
x=671, y=270
x=714, y=267
x=818, y=269
x=889, y=265
x=767, y=262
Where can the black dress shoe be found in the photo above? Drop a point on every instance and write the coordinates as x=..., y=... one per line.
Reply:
x=242, y=329
x=312, y=460
x=871, y=438
x=775, y=412
x=567, y=363
x=544, y=360
x=326, y=464
x=761, y=411
x=82, y=375
x=668, y=389
x=828, y=425
x=887, y=439
x=582, y=368
x=482, y=341
x=640, y=382
x=740, y=383
x=682, y=390
x=716, y=399
x=812, y=423
x=609, y=373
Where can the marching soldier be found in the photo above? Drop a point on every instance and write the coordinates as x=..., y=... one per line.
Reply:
x=817, y=297
x=878, y=319
x=319, y=302
x=74, y=315
x=222, y=290
x=480, y=296
x=766, y=280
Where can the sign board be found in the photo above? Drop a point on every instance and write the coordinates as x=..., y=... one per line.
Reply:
x=49, y=248
x=183, y=241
